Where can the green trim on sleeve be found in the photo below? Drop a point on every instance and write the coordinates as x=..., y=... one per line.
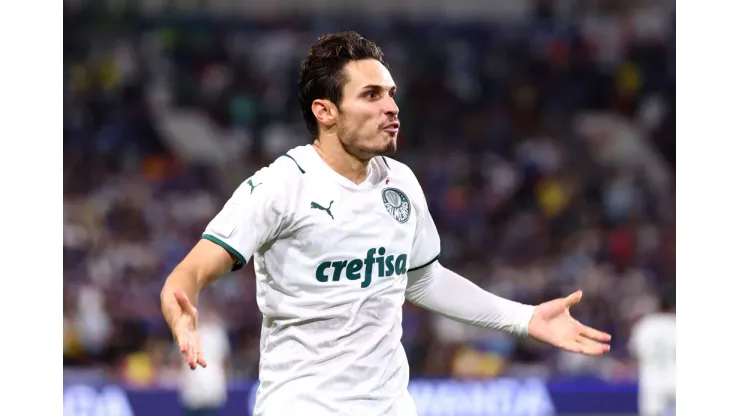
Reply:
x=241, y=261
x=296, y=163
x=425, y=264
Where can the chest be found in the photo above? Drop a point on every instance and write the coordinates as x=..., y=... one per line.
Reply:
x=328, y=217
x=354, y=237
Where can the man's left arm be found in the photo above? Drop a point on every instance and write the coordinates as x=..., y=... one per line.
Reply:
x=433, y=287
x=443, y=291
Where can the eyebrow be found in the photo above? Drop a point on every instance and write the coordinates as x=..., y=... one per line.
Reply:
x=377, y=87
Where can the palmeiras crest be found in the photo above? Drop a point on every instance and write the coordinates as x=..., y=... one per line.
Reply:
x=397, y=204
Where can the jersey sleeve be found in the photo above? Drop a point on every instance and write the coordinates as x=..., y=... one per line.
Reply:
x=426, y=246
x=251, y=217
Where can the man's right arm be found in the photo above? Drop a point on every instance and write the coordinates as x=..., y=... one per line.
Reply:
x=251, y=217
x=205, y=263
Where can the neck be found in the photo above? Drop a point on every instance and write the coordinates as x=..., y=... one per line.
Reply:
x=339, y=159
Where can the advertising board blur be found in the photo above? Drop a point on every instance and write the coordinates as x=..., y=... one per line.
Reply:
x=499, y=397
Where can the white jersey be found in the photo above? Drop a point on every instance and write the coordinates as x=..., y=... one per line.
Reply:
x=653, y=343
x=331, y=258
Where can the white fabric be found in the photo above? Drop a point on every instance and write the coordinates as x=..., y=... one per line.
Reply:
x=443, y=291
x=653, y=343
x=331, y=259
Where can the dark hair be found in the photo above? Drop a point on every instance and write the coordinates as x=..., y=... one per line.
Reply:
x=322, y=71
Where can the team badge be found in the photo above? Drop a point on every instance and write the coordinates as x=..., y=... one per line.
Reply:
x=397, y=204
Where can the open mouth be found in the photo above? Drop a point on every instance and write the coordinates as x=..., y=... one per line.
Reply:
x=392, y=127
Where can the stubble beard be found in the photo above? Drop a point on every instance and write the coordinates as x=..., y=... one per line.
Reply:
x=348, y=140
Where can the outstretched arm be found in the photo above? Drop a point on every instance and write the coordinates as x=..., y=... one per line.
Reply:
x=433, y=287
x=443, y=291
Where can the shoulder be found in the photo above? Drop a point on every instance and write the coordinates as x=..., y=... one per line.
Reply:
x=285, y=168
x=273, y=180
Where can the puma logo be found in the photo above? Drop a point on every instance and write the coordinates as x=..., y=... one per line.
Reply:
x=319, y=207
x=249, y=182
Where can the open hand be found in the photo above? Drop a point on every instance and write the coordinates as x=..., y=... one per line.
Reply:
x=185, y=331
x=552, y=324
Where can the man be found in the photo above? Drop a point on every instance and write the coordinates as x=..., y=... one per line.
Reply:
x=341, y=236
x=653, y=343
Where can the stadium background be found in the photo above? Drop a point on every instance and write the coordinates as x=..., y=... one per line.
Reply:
x=543, y=133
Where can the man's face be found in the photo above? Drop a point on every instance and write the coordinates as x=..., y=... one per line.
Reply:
x=367, y=123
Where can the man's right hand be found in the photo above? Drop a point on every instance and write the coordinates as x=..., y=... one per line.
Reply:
x=205, y=263
x=185, y=331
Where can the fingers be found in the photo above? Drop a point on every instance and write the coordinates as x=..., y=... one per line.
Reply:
x=573, y=298
x=186, y=332
x=583, y=345
x=192, y=354
x=594, y=334
x=200, y=360
x=193, y=357
x=184, y=302
x=591, y=347
x=573, y=347
x=196, y=359
x=187, y=350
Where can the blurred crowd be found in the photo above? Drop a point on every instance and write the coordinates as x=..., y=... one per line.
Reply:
x=546, y=149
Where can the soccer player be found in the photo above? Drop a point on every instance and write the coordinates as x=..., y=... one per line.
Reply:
x=653, y=343
x=341, y=236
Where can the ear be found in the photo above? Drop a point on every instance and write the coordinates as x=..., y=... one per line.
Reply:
x=325, y=112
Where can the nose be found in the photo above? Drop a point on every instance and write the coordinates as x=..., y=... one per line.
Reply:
x=390, y=107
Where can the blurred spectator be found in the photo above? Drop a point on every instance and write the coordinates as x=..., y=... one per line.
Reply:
x=653, y=343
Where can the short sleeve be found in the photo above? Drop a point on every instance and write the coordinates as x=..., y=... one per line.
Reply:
x=250, y=218
x=426, y=245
